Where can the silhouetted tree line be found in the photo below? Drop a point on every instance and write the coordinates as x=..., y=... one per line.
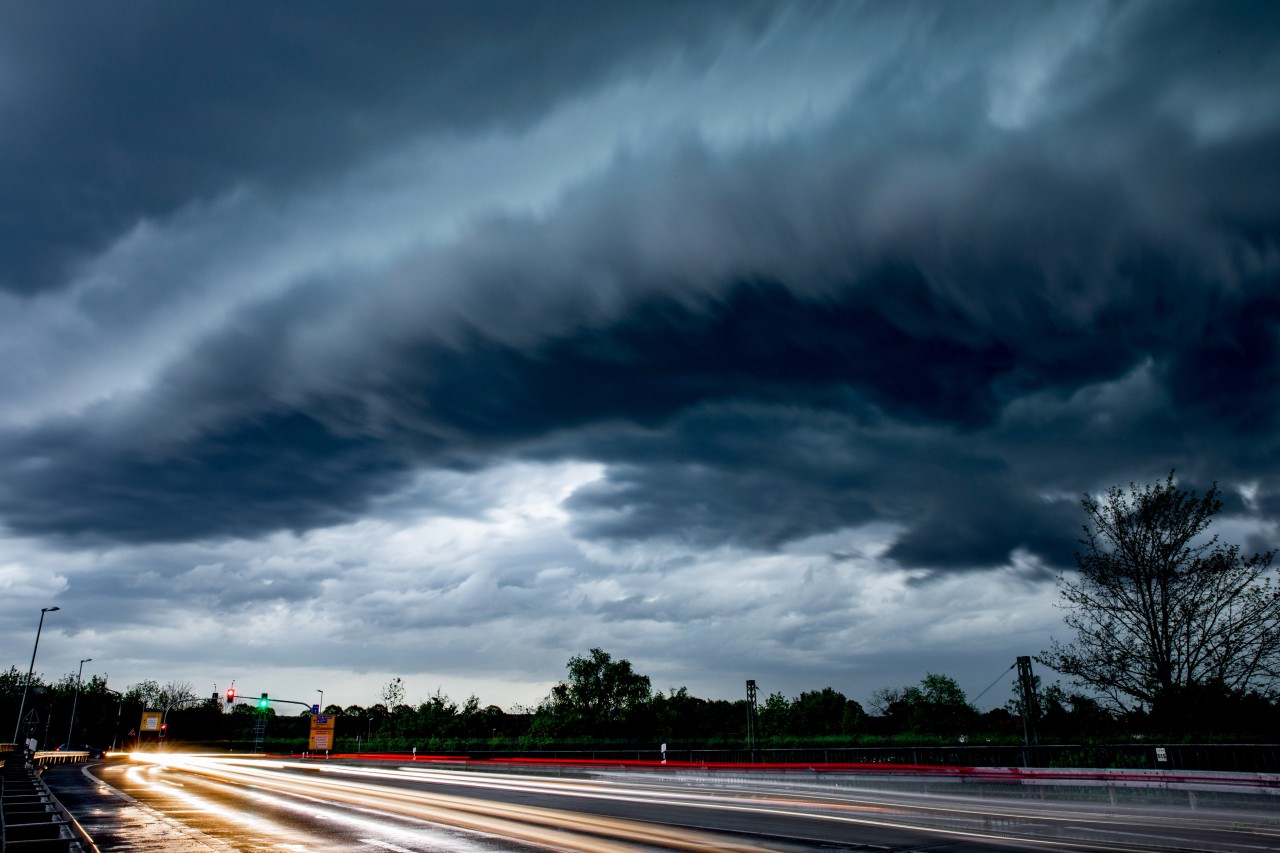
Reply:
x=605, y=702
x=103, y=716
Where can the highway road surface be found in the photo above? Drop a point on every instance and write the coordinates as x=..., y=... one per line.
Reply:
x=179, y=803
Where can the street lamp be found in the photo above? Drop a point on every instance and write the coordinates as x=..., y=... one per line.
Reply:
x=321, y=692
x=115, y=733
x=27, y=686
x=76, y=701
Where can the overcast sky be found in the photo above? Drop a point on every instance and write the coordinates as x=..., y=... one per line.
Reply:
x=742, y=340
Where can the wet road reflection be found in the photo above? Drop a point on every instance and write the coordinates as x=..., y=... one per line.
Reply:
x=190, y=802
x=153, y=809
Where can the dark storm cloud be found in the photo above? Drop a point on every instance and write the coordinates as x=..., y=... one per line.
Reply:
x=924, y=311
x=117, y=114
x=214, y=451
x=766, y=477
x=216, y=439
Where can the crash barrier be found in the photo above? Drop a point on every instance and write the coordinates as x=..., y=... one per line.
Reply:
x=1194, y=789
x=1231, y=757
x=61, y=757
x=31, y=818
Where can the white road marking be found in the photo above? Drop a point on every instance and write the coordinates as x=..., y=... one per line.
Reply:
x=386, y=845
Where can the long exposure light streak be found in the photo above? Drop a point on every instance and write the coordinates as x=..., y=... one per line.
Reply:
x=560, y=830
x=363, y=789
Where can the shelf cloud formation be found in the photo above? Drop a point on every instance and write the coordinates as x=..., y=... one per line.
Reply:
x=771, y=341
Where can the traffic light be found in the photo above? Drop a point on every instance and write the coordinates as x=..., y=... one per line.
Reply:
x=231, y=695
x=263, y=704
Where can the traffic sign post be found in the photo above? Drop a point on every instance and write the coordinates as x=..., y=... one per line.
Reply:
x=322, y=726
x=151, y=723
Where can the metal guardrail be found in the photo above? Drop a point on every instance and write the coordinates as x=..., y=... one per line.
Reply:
x=31, y=818
x=1238, y=758
x=43, y=757
x=46, y=757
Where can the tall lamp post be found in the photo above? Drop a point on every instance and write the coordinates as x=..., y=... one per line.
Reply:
x=76, y=701
x=321, y=692
x=22, y=707
x=115, y=733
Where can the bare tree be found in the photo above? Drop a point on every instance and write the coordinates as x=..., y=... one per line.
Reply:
x=884, y=698
x=1161, y=609
x=392, y=693
x=152, y=694
x=178, y=692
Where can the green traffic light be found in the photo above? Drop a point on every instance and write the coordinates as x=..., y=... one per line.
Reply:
x=263, y=703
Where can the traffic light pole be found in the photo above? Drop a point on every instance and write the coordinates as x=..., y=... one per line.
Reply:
x=164, y=718
x=263, y=703
x=255, y=701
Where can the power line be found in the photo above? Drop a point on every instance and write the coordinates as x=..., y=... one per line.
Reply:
x=975, y=699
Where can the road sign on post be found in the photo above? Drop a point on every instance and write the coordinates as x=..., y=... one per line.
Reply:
x=321, y=732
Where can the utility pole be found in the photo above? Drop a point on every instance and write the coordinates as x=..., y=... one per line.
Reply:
x=1030, y=707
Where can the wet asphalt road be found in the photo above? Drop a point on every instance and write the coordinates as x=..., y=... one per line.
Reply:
x=163, y=817
x=243, y=805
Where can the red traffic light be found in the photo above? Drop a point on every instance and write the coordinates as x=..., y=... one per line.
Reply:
x=231, y=695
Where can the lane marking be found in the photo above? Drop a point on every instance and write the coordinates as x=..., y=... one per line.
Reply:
x=386, y=845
